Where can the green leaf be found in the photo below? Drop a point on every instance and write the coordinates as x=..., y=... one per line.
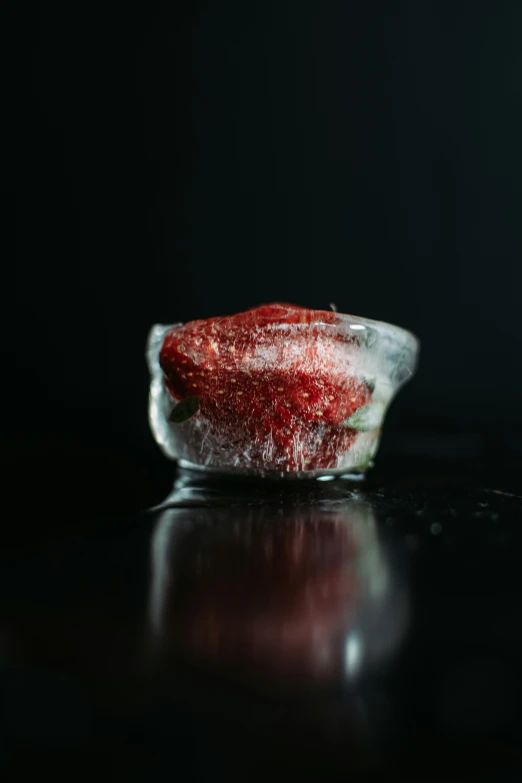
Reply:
x=184, y=410
x=371, y=383
x=365, y=419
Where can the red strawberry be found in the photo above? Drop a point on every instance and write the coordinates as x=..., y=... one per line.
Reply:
x=274, y=385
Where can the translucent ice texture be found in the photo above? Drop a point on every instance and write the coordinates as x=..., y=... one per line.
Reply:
x=349, y=351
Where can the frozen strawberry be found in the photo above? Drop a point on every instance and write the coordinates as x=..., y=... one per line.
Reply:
x=275, y=384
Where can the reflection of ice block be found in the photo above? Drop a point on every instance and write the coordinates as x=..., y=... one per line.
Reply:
x=289, y=398
x=293, y=590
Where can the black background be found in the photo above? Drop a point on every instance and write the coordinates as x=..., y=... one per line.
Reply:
x=165, y=163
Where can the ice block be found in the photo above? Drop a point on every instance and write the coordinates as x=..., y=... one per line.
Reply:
x=278, y=389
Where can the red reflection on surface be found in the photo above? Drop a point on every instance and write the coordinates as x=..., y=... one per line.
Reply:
x=275, y=589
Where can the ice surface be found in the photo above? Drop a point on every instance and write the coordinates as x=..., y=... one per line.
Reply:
x=351, y=347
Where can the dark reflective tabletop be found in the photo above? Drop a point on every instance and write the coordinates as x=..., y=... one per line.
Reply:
x=319, y=630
